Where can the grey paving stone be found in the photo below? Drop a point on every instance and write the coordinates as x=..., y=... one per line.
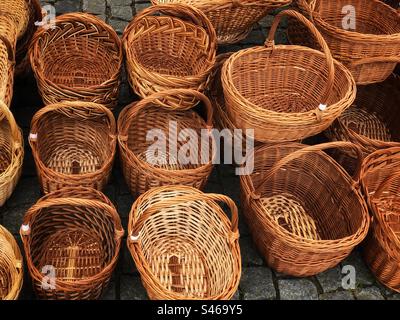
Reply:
x=236, y=296
x=13, y=217
x=64, y=6
x=370, y=293
x=250, y=256
x=394, y=297
x=94, y=6
x=257, y=284
x=128, y=265
x=121, y=12
x=131, y=288
x=112, y=3
x=118, y=25
x=363, y=275
x=339, y=295
x=125, y=96
x=330, y=280
x=124, y=204
x=266, y=22
x=297, y=289
x=27, y=191
x=110, y=292
x=141, y=6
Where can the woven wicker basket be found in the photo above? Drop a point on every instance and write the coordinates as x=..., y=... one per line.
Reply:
x=183, y=244
x=72, y=239
x=11, y=155
x=80, y=59
x=73, y=144
x=18, y=11
x=371, y=51
x=304, y=211
x=233, y=20
x=7, y=64
x=11, y=269
x=146, y=164
x=286, y=93
x=175, y=50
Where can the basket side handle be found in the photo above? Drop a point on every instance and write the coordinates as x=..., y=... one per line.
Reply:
x=270, y=43
x=386, y=183
x=358, y=62
x=378, y=158
x=15, y=131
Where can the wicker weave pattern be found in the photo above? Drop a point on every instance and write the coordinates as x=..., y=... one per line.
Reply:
x=183, y=244
x=18, y=11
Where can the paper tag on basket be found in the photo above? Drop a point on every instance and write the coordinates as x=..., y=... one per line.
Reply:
x=322, y=107
x=33, y=136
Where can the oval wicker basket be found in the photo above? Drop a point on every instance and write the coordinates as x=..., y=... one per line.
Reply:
x=18, y=11
x=72, y=239
x=11, y=155
x=174, y=50
x=73, y=144
x=286, y=93
x=183, y=244
x=7, y=63
x=11, y=267
x=147, y=163
x=80, y=59
x=233, y=20
x=370, y=51
x=304, y=211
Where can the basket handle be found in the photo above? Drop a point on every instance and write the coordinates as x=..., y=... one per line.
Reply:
x=299, y=153
x=15, y=131
x=393, y=59
x=270, y=43
x=378, y=157
x=384, y=184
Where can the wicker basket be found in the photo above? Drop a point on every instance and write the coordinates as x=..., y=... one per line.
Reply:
x=72, y=239
x=286, y=93
x=304, y=211
x=18, y=11
x=175, y=50
x=78, y=60
x=7, y=64
x=11, y=155
x=73, y=144
x=233, y=20
x=183, y=244
x=371, y=51
x=11, y=268
x=146, y=164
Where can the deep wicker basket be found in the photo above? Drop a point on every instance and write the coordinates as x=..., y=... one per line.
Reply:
x=73, y=144
x=7, y=63
x=72, y=239
x=183, y=244
x=80, y=59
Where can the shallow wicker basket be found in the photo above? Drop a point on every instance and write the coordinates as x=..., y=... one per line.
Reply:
x=73, y=144
x=147, y=163
x=371, y=51
x=233, y=20
x=286, y=93
x=304, y=211
x=173, y=50
x=11, y=268
x=80, y=59
x=183, y=244
x=72, y=239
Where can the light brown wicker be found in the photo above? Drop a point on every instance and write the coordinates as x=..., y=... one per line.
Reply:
x=233, y=20
x=7, y=64
x=183, y=244
x=286, y=93
x=304, y=211
x=72, y=239
x=147, y=163
x=18, y=11
x=11, y=267
x=78, y=60
x=371, y=51
x=73, y=144
x=173, y=50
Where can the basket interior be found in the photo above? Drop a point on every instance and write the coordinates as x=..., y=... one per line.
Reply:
x=6, y=280
x=8, y=272
x=389, y=207
x=5, y=145
x=4, y=70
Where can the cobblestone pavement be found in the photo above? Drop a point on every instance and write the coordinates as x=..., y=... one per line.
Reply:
x=258, y=281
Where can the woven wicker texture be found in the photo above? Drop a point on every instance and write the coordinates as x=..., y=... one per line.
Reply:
x=73, y=144
x=80, y=59
x=371, y=51
x=18, y=11
x=286, y=93
x=233, y=20
x=147, y=164
x=11, y=269
x=304, y=211
x=169, y=51
x=6, y=71
x=78, y=232
x=183, y=244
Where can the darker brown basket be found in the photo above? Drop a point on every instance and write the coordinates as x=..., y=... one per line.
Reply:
x=286, y=93
x=371, y=51
x=304, y=211
x=73, y=144
x=80, y=59
x=75, y=234
x=174, y=50
x=147, y=164
x=183, y=244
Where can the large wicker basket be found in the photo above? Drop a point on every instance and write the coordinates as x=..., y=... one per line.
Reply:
x=286, y=93
x=80, y=59
x=183, y=244
x=232, y=20
x=304, y=211
x=173, y=50
x=371, y=50
x=72, y=239
x=73, y=144
x=7, y=63
x=11, y=268
x=147, y=164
